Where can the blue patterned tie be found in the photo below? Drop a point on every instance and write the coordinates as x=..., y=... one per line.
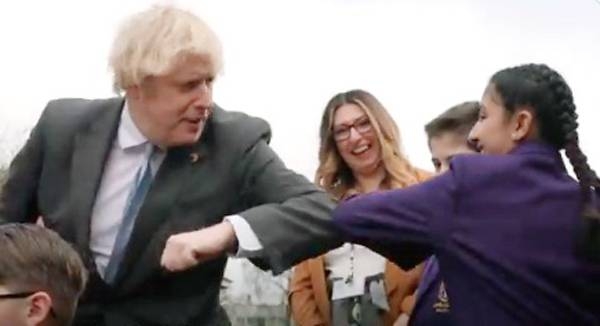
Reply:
x=143, y=179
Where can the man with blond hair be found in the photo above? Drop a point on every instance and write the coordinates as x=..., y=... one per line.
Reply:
x=163, y=173
x=41, y=277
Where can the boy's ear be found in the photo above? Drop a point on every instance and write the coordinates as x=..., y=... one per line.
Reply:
x=40, y=305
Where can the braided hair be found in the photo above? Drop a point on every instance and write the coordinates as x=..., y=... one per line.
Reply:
x=547, y=93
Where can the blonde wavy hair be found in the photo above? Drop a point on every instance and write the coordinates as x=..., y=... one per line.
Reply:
x=152, y=42
x=334, y=175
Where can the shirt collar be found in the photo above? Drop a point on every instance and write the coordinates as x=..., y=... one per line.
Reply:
x=128, y=133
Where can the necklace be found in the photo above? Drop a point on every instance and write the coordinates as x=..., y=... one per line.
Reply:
x=350, y=276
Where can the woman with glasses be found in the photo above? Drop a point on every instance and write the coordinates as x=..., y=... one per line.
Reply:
x=352, y=285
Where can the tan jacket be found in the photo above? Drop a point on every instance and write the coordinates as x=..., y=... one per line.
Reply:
x=310, y=302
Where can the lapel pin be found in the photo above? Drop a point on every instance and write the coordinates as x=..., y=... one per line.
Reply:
x=194, y=157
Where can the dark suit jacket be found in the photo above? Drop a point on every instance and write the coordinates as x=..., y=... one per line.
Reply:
x=57, y=173
x=503, y=228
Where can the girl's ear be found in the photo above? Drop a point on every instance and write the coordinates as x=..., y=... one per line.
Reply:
x=522, y=125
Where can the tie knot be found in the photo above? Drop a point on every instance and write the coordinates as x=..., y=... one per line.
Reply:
x=152, y=153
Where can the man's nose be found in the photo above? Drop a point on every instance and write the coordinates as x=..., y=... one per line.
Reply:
x=203, y=96
x=203, y=108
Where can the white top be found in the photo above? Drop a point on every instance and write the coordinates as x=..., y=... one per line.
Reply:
x=349, y=266
x=128, y=153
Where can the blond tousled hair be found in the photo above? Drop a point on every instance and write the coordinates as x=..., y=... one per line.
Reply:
x=151, y=42
x=334, y=175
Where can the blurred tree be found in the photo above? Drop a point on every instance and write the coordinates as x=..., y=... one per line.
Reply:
x=3, y=174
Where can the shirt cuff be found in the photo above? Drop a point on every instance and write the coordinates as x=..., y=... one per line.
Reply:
x=248, y=244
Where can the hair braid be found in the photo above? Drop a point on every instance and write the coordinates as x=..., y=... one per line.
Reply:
x=549, y=95
x=565, y=116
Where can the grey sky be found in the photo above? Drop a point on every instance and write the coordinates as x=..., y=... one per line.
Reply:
x=285, y=59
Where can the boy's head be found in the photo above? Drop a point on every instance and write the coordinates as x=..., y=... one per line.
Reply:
x=447, y=134
x=41, y=277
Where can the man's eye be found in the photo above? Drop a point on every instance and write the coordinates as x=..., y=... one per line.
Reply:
x=191, y=84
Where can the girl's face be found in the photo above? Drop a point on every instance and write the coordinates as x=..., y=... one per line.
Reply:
x=497, y=131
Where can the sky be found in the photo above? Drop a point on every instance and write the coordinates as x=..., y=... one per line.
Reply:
x=285, y=59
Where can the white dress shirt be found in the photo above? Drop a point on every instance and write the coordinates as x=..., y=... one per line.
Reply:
x=128, y=153
x=349, y=266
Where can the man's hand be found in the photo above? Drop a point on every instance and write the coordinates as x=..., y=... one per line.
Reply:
x=185, y=250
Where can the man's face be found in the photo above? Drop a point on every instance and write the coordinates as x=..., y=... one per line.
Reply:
x=444, y=147
x=172, y=109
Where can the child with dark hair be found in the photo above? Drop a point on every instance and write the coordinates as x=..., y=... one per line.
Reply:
x=516, y=237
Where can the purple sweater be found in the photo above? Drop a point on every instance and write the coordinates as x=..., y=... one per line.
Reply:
x=503, y=230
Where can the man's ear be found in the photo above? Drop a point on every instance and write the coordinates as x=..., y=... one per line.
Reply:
x=522, y=125
x=134, y=92
x=145, y=88
x=40, y=305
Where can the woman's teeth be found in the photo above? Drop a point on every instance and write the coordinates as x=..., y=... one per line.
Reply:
x=360, y=149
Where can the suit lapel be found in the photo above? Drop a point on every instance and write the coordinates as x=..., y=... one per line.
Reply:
x=91, y=149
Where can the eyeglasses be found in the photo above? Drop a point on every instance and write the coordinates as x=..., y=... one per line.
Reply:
x=23, y=295
x=361, y=125
x=18, y=295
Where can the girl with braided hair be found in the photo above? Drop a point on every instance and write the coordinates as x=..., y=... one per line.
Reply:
x=517, y=239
